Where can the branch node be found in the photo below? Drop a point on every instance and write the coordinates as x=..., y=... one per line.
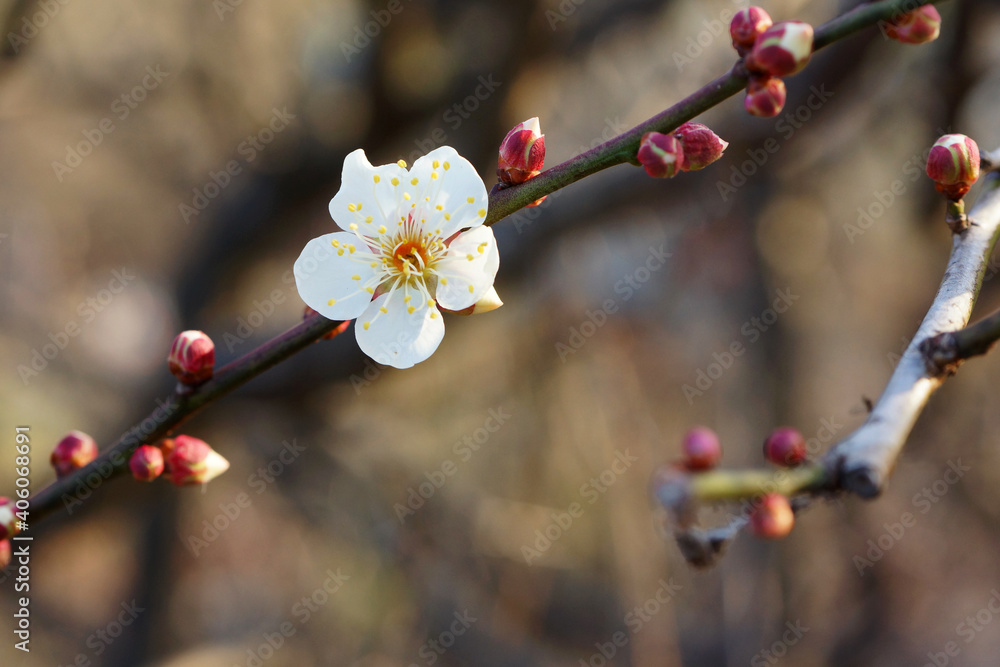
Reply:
x=941, y=356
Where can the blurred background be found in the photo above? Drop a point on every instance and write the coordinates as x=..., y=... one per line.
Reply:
x=164, y=165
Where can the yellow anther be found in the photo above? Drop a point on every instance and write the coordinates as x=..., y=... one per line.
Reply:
x=406, y=196
x=335, y=243
x=482, y=247
x=394, y=181
x=482, y=213
x=447, y=166
x=434, y=315
x=410, y=310
x=352, y=227
x=340, y=252
x=352, y=208
x=370, y=290
x=439, y=207
x=374, y=265
x=471, y=289
x=444, y=281
x=471, y=200
x=355, y=277
x=381, y=229
x=469, y=257
x=402, y=164
x=351, y=248
x=369, y=220
x=414, y=182
x=431, y=303
x=447, y=216
x=331, y=302
x=434, y=175
x=377, y=178
x=384, y=311
x=359, y=205
x=435, y=164
x=367, y=324
x=406, y=299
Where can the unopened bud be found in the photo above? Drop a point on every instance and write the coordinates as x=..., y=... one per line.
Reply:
x=74, y=451
x=953, y=165
x=489, y=301
x=8, y=520
x=192, y=461
x=765, y=97
x=192, y=357
x=747, y=25
x=522, y=153
x=146, y=463
x=785, y=447
x=920, y=26
x=774, y=518
x=701, y=448
x=662, y=155
x=701, y=146
x=782, y=49
x=309, y=312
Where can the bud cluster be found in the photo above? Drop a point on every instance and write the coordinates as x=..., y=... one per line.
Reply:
x=770, y=51
x=690, y=147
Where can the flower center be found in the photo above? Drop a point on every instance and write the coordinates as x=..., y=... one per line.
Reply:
x=410, y=253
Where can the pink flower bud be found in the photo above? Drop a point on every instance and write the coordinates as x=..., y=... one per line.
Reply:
x=701, y=448
x=4, y=553
x=8, y=520
x=747, y=26
x=146, y=463
x=953, y=165
x=522, y=153
x=192, y=357
x=765, y=97
x=920, y=26
x=192, y=461
x=785, y=447
x=782, y=49
x=701, y=146
x=74, y=451
x=774, y=518
x=661, y=154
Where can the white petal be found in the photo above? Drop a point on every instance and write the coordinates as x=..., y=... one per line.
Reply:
x=399, y=338
x=467, y=272
x=451, y=190
x=370, y=192
x=324, y=273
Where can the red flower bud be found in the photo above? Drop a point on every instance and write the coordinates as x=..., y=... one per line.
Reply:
x=192, y=461
x=522, y=153
x=8, y=520
x=953, y=164
x=192, y=357
x=785, y=447
x=661, y=154
x=74, y=451
x=920, y=26
x=747, y=25
x=765, y=97
x=4, y=553
x=700, y=145
x=146, y=463
x=782, y=49
x=773, y=519
x=701, y=448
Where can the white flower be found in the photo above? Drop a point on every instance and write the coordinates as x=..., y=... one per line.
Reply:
x=404, y=254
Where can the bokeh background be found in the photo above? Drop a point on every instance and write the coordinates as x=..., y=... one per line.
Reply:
x=576, y=370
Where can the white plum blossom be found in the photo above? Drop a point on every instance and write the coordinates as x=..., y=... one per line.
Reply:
x=414, y=244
